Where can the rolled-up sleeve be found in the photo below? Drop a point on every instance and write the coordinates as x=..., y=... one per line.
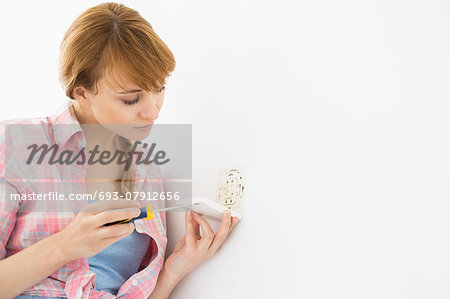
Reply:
x=8, y=214
x=8, y=207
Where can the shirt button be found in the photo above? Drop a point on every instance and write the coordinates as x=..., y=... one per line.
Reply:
x=134, y=282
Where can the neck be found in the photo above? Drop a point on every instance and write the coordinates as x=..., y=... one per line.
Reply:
x=84, y=114
x=93, y=131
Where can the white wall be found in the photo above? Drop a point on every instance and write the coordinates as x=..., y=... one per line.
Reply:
x=339, y=111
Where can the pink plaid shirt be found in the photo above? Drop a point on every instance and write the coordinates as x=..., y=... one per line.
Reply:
x=20, y=230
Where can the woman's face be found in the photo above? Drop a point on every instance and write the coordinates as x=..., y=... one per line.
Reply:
x=122, y=111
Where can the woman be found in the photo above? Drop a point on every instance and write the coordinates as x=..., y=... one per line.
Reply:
x=113, y=68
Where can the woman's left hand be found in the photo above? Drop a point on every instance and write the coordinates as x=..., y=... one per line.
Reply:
x=193, y=249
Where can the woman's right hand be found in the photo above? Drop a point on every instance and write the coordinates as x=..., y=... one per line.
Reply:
x=86, y=236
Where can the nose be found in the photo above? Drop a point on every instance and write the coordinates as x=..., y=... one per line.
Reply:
x=150, y=110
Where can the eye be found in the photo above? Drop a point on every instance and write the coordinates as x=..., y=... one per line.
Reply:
x=132, y=102
x=162, y=88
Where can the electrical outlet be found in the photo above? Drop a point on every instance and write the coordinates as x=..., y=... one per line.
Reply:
x=230, y=188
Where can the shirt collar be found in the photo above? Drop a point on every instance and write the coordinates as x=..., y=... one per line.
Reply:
x=66, y=123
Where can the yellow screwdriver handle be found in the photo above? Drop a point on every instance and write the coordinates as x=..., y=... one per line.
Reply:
x=149, y=212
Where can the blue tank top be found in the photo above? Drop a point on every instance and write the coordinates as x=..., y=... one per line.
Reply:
x=119, y=261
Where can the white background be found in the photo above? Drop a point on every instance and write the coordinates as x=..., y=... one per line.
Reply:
x=337, y=109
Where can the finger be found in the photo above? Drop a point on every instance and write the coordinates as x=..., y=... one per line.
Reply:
x=141, y=203
x=115, y=230
x=103, y=205
x=180, y=244
x=223, y=231
x=109, y=241
x=115, y=215
x=196, y=228
x=234, y=221
x=208, y=233
x=190, y=233
x=106, y=204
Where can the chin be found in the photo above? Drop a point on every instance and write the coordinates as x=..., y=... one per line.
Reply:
x=129, y=131
x=133, y=135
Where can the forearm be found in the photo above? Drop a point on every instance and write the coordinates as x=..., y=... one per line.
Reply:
x=28, y=267
x=165, y=284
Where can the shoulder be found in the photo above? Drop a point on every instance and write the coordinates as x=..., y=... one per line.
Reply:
x=25, y=131
x=17, y=127
x=23, y=121
x=18, y=133
x=35, y=126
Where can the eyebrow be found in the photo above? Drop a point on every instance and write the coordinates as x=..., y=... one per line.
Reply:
x=130, y=91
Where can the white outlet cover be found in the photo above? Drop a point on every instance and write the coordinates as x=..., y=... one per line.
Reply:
x=231, y=188
x=211, y=209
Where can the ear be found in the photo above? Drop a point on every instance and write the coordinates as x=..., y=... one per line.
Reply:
x=81, y=94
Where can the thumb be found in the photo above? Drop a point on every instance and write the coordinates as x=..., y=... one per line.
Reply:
x=180, y=244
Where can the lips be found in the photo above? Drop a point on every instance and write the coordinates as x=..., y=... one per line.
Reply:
x=144, y=128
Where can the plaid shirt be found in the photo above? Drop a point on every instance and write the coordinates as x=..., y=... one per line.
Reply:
x=19, y=229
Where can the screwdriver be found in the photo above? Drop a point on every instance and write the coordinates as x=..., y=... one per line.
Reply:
x=146, y=213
